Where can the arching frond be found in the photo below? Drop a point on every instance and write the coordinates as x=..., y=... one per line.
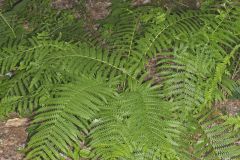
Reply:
x=216, y=139
x=136, y=124
x=57, y=124
x=10, y=28
x=26, y=69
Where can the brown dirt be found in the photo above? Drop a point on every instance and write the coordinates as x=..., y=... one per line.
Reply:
x=230, y=107
x=1, y=3
x=13, y=136
x=140, y=2
x=63, y=4
x=98, y=9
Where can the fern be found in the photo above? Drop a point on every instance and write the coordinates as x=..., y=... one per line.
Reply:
x=217, y=139
x=24, y=73
x=10, y=28
x=56, y=125
x=98, y=92
x=136, y=123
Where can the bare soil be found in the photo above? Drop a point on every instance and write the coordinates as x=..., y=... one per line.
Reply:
x=13, y=136
x=230, y=107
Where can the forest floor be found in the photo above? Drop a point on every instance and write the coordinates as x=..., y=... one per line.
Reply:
x=13, y=138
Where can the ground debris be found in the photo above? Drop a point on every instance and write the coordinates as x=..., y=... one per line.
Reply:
x=140, y=2
x=16, y=122
x=98, y=9
x=231, y=107
x=63, y=4
x=13, y=136
x=1, y=3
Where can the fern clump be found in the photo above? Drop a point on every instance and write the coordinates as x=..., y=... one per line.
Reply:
x=94, y=96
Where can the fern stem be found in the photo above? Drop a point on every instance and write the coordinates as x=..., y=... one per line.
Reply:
x=132, y=37
x=165, y=28
x=104, y=62
x=6, y=22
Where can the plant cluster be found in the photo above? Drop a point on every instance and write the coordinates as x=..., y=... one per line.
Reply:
x=142, y=88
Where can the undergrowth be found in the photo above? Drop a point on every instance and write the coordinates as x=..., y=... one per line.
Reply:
x=98, y=94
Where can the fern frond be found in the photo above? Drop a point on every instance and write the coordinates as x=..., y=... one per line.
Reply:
x=136, y=122
x=217, y=78
x=125, y=25
x=49, y=62
x=184, y=75
x=56, y=125
x=10, y=28
x=156, y=37
x=217, y=140
x=8, y=25
x=95, y=61
x=27, y=70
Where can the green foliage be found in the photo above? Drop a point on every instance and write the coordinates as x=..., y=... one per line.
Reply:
x=233, y=121
x=10, y=28
x=96, y=96
x=217, y=140
x=58, y=121
x=136, y=125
